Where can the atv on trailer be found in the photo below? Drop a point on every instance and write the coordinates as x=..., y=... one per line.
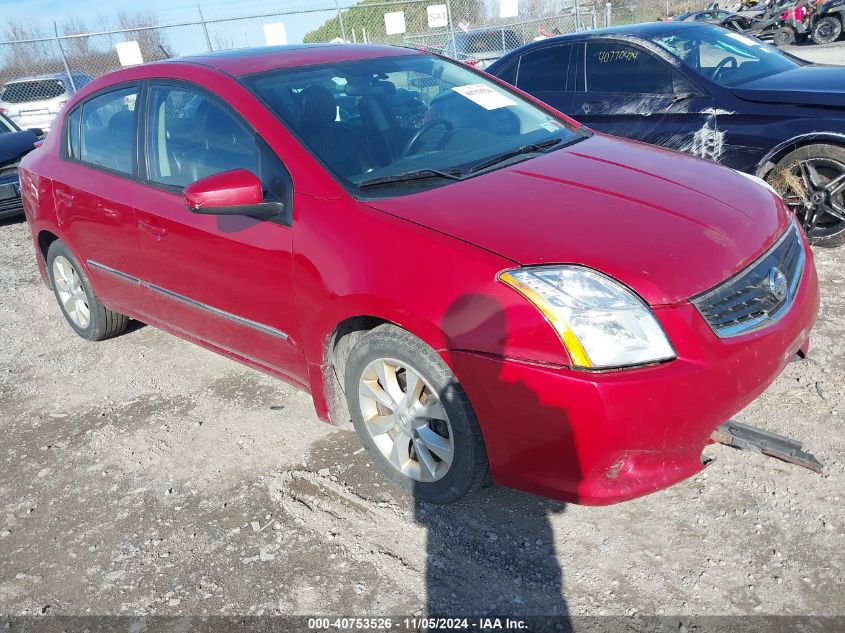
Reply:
x=823, y=24
x=762, y=24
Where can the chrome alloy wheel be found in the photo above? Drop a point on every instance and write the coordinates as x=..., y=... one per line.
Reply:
x=405, y=420
x=815, y=192
x=71, y=294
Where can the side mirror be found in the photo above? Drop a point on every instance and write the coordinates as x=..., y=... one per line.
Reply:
x=235, y=192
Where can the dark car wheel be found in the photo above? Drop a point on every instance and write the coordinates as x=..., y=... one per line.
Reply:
x=827, y=30
x=784, y=36
x=413, y=417
x=812, y=182
x=81, y=307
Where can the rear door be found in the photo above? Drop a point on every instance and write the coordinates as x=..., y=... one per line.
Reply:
x=94, y=187
x=226, y=280
x=627, y=90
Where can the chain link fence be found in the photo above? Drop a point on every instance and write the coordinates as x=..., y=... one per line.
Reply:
x=39, y=71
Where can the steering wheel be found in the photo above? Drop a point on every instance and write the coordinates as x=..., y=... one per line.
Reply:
x=723, y=64
x=425, y=129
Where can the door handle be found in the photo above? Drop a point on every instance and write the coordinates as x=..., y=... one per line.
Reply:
x=153, y=228
x=593, y=107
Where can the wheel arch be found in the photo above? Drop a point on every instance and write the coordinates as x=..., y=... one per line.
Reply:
x=45, y=239
x=768, y=162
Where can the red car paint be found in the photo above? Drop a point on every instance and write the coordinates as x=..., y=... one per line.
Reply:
x=667, y=225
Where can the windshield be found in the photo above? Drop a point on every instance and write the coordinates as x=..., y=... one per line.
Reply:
x=38, y=90
x=376, y=119
x=723, y=56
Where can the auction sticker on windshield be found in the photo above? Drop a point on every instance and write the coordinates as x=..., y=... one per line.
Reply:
x=485, y=96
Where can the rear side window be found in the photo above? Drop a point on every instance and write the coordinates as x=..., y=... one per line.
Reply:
x=108, y=130
x=621, y=68
x=72, y=133
x=25, y=91
x=544, y=69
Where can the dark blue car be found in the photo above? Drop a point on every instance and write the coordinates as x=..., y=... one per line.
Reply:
x=707, y=91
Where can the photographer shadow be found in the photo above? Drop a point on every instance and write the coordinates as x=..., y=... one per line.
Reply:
x=493, y=554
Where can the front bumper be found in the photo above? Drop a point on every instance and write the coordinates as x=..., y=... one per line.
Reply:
x=600, y=438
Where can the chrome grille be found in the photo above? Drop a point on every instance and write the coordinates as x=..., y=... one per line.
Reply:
x=748, y=301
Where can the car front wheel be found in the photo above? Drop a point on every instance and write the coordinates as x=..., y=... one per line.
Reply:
x=413, y=417
x=83, y=310
x=812, y=182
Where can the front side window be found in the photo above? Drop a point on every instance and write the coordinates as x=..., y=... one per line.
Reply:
x=725, y=57
x=191, y=136
x=616, y=67
x=107, y=135
x=379, y=119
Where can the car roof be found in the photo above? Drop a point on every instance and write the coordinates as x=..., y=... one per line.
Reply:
x=645, y=30
x=246, y=61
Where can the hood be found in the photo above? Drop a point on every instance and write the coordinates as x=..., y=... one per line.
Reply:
x=668, y=225
x=15, y=145
x=807, y=85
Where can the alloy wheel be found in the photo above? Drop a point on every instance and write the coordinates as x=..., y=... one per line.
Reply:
x=71, y=293
x=406, y=420
x=814, y=189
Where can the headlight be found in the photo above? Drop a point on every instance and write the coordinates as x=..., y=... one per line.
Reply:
x=601, y=323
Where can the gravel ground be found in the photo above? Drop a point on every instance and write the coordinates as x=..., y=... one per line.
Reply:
x=824, y=54
x=144, y=475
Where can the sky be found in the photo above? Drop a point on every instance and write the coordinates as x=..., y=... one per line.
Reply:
x=45, y=12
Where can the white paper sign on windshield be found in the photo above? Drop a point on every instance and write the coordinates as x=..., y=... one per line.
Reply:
x=485, y=96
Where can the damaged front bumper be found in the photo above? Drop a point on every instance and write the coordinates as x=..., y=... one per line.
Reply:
x=603, y=437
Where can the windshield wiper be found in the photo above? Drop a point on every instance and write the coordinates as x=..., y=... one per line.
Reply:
x=531, y=148
x=419, y=174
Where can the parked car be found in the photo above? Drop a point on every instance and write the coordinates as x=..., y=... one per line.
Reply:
x=714, y=16
x=33, y=102
x=480, y=47
x=488, y=287
x=14, y=145
x=709, y=92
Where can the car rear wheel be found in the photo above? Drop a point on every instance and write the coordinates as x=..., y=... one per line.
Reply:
x=812, y=182
x=827, y=30
x=81, y=307
x=413, y=417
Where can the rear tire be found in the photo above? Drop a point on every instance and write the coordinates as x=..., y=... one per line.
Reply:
x=784, y=36
x=811, y=180
x=827, y=30
x=413, y=417
x=81, y=307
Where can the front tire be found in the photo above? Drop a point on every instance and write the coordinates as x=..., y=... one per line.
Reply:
x=827, y=30
x=82, y=309
x=413, y=417
x=811, y=180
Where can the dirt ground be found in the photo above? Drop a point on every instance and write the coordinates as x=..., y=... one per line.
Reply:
x=820, y=54
x=144, y=475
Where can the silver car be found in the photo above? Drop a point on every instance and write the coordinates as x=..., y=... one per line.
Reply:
x=33, y=102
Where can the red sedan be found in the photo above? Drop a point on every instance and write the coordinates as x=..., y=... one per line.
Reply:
x=479, y=283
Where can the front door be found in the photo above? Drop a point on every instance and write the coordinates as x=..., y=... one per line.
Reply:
x=626, y=90
x=225, y=280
